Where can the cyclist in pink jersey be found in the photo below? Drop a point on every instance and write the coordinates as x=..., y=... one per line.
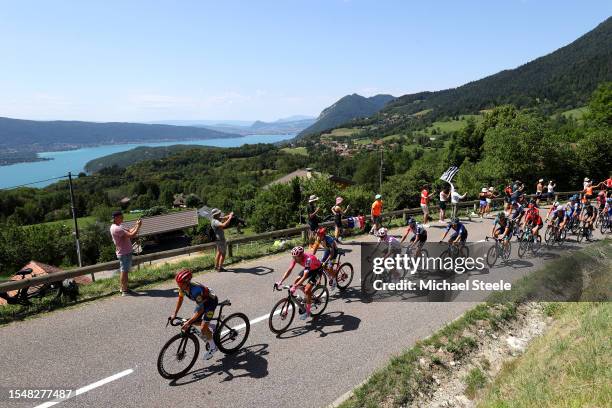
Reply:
x=310, y=275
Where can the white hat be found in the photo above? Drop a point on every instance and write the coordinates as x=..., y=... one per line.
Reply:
x=586, y=179
x=484, y=190
x=491, y=189
x=541, y=181
x=312, y=198
x=378, y=196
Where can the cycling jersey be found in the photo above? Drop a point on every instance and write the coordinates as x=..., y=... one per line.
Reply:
x=331, y=249
x=589, y=210
x=308, y=261
x=420, y=233
x=393, y=243
x=533, y=218
x=498, y=221
x=559, y=213
x=205, y=300
x=459, y=228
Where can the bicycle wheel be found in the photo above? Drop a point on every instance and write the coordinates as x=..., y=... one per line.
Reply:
x=575, y=227
x=598, y=221
x=367, y=287
x=464, y=251
x=549, y=235
x=492, y=256
x=581, y=233
x=282, y=315
x=232, y=333
x=320, y=297
x=322, y=279
x=562, y=236
x=536, y=245
x=344, y=276
x=522, y=249
x=506, y=251
x=178, y=355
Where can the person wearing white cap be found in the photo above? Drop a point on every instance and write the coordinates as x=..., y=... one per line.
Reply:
x=490, y=196
x=376, y=214
x=313, y=218
x=551, y=191
x=539, y=190
x=338, y=213
x=482, y=197
x=586, y=182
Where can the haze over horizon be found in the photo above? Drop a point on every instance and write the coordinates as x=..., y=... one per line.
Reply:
x=145, y=62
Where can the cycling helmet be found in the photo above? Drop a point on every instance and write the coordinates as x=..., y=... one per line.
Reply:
x=411, y=221
x=184, y=275
x=455, y=221
x=556, y=204
x=502, y=215
x=297, y=251
x=381, y=232
x=321, y=232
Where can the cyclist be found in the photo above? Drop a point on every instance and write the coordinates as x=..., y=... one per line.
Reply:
x=330, y=252
x=588, y=217
x=502, y=226
x=560, y=216
x=419, y=238
x=206, y=303
x=519, y=211
x=394, y=247
x=601, y=202
x=460, y=233
x=551, y=210
x=312, y=270
x=533, y=220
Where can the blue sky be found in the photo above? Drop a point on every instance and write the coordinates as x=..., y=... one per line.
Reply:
x=159, y=60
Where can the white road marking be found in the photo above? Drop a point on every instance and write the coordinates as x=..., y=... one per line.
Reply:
x=89, y=387
x=252, y=322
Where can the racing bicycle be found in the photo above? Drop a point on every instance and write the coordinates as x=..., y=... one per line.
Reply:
x=283, y=312
x=343, y=271
x=179, y=353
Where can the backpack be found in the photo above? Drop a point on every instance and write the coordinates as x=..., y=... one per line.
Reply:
x=209, y=233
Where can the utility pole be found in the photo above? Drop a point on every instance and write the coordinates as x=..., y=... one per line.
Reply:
x=76, y=224
x=381, y=171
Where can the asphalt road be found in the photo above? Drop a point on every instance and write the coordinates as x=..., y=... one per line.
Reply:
x=118, y=339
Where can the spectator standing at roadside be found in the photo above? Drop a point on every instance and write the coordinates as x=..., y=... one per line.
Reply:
x=455, y=198
x=338, y=212
x=444, y=197
x=219, y=224
x=123, y=247
x=539, y=190
x=425, y=206
x=376, y=214
x=550, y=196
x=313, y=218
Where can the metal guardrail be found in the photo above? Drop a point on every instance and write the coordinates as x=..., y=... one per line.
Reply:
x=114, y=265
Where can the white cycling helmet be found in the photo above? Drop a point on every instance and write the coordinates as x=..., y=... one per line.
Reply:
x=381, y=232
x=297, y=251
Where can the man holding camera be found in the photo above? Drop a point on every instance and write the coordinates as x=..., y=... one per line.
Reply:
x=122, y=238
x=218, y=224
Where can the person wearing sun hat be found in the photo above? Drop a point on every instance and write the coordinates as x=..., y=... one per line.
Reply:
x=313, y=218
x=338, y=213
x=218, y=223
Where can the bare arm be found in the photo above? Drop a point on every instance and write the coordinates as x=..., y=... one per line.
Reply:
x=179, y=303
x=227, y=220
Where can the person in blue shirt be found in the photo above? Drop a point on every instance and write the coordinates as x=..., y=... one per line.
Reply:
x=460, y=232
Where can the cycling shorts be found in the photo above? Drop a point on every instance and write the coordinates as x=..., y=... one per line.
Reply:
x=456, y=234
x=326, y=255
x=313, y=275
x=422, y=238
x=208, y=308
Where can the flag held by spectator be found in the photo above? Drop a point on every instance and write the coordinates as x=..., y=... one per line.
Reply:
x=449, y=174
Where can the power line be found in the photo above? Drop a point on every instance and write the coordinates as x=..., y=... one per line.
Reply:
x=33, y=182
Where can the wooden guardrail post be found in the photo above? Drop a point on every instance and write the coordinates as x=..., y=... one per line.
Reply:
x=230, y=249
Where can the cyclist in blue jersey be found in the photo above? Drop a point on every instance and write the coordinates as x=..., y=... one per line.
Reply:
x=460, y=232
x=560, y=215
x=330, y=252
x=418, y=239
x=502, y=226
x=206, y=303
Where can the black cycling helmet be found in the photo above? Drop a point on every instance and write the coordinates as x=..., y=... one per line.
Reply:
x=411, y=221
x=454, y=221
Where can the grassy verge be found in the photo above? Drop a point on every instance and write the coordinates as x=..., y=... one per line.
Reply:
x=567, y=367
x=404, y=377
x=140, y=279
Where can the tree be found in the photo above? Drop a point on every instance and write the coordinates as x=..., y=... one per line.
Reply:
x=600, y=106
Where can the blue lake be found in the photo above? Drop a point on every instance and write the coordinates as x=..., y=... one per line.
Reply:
x=75, y=160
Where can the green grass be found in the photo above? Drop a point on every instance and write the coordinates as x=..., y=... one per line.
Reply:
x=300, y=151
x=474, y=381
x=577, y=113
x=363, y=141
x=448, y=126
x=570, y=366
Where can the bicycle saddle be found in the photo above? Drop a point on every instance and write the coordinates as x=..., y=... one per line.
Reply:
x=24, y=272
x=226, y=302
